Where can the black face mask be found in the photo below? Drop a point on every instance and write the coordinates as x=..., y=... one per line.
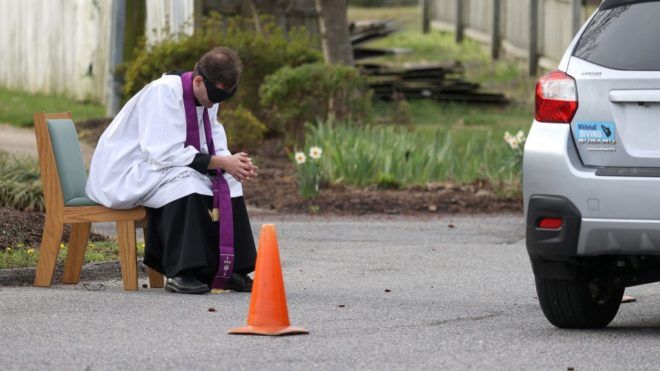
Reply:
x=215, y=94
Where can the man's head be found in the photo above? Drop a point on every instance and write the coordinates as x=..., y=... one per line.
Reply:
x=216, y=76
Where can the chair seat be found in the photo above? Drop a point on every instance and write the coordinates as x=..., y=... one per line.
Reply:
x=97, y=213
x=80, y=201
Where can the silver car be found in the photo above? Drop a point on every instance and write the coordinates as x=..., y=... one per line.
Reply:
x=591, y=169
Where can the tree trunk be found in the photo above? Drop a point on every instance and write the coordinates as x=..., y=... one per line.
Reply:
x=136, y=12
x=335, y=39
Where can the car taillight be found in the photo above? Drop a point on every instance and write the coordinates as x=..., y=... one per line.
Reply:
x=556, y=98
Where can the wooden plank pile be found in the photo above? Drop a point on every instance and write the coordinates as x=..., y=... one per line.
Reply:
x=443, y=81
x=363, y=31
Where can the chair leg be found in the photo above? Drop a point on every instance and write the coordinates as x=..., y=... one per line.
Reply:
x=127, y=254
x=156, y=280
x=50, y=246
x=75, y=255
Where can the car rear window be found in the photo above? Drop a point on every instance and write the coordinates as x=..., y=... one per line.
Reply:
x=623, y=37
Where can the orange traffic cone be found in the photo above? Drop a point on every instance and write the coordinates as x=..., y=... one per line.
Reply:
x=268, y=313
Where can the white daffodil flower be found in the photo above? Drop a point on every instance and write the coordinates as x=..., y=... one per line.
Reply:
x=300, y=158
x=315, y=152
x=514, y=142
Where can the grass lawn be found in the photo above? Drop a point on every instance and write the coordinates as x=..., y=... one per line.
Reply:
x=21, y=256
x=17, y=107
x=428, y=113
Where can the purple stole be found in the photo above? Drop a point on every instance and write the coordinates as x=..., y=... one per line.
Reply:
x=221, y=195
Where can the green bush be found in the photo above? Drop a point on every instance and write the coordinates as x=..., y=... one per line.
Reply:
x=20, y=184
x=311, y=92
x=262, y=53
x=244, y=131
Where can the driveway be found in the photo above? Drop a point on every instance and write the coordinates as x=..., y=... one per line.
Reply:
x=21, y=141
x=375, y=293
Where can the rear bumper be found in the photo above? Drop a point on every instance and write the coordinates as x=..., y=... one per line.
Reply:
x=603, y=215
x=623, y=252
x=619, y=236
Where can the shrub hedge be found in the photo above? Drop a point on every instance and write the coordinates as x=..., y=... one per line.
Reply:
x=262, y=52
x=295, y=96
x=244, y=131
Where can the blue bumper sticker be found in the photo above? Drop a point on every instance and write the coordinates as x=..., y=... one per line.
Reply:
x=595, y=133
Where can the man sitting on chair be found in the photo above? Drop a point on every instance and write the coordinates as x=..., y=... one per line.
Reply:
x=166, y=151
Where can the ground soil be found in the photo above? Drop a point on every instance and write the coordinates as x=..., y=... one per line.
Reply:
x=19, y=227
x=275, y=189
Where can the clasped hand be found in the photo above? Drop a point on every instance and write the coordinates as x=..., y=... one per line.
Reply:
x=239, y=165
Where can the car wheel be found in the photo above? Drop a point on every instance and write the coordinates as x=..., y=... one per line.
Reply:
x=578, y=304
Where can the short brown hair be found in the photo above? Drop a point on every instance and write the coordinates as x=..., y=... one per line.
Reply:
x=220, y=66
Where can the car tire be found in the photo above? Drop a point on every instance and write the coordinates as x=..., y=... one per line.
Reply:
x=578, y=304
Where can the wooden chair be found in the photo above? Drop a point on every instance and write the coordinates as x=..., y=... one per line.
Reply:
x=63, y=179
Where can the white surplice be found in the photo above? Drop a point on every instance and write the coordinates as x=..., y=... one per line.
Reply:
x=141, y=158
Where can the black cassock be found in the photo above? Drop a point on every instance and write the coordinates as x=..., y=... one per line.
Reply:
x=182, y=236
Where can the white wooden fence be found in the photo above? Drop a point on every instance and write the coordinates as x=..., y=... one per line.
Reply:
x=537, y=30
x=63, y=46
x=168, y=17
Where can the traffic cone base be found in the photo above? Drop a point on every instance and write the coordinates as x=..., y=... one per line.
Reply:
x=268, y=314
x=268, y=331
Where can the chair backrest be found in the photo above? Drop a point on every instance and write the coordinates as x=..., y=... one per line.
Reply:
x=69, y=161
x=63, y=171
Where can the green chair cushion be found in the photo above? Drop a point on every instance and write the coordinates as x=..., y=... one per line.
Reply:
x=69, y=161
x=81, y=201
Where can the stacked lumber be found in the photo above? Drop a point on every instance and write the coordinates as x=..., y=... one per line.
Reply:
x=440, y=81
x=363, y=31
x=443, y=81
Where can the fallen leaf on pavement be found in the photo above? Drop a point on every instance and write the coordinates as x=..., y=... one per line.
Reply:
x=628, y=299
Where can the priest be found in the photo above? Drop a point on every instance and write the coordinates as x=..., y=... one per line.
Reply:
x=166, y=151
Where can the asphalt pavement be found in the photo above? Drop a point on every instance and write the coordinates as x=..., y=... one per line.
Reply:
x=375, y=293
